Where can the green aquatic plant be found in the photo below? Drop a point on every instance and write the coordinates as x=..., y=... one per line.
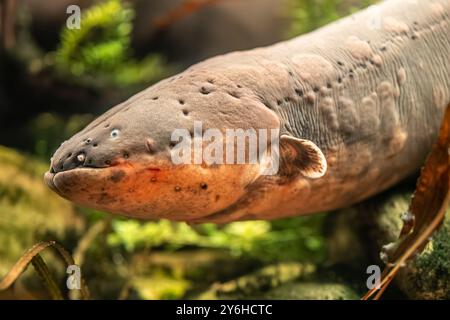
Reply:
x=100, y=50
x=284, y=240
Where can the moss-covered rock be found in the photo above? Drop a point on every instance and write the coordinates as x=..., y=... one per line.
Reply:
x=428, y=276
x=258, y=283
x=313, y=291
x=378, y=222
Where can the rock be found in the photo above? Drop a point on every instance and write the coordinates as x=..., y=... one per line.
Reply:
x=313, y=291
x=377, y=222
x=257, y=284
x=427, y=276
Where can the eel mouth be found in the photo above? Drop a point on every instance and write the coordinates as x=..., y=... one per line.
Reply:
x=55, y=180
x=152, y=190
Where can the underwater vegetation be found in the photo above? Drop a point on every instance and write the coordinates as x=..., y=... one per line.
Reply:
x=101, y=51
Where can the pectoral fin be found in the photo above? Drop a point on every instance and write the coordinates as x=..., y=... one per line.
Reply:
x=301, y=156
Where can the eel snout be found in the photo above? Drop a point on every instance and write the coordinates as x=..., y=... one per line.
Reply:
x=96, y=149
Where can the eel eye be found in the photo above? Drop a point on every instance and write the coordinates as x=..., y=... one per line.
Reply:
x=115, y=133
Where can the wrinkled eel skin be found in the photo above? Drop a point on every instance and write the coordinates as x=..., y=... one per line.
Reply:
x=358, y=104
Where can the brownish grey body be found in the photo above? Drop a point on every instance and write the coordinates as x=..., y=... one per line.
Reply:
x=368, y=92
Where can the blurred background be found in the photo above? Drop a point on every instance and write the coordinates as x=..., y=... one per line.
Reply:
x=53, y=81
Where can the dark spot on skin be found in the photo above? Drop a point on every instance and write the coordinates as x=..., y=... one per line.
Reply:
x=95, y=145
x=239, y=86
x=117, y=175
x=69, y=155
x=177, y=189
x=234, y=94
x=210, y=81
x=351, y=75
x=340, y=63
x=185, y=112
x=414, y=37
x=126, y=155
x=103, y=198
x=290, y=73
x=217, y=197
x=316, y=89
x=287, y=99
x=299, y=92
x=204, y=186
x=329, y=85
x=383, y=48
x=107, y=125
x=172, y=144
x=340, y=80
x=181, y=101
x=279, y=102
x=155, y=98
x=203, y=90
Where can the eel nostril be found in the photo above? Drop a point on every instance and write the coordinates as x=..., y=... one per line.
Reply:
x=204, y=90
x=81, y=157
x=88, y=141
